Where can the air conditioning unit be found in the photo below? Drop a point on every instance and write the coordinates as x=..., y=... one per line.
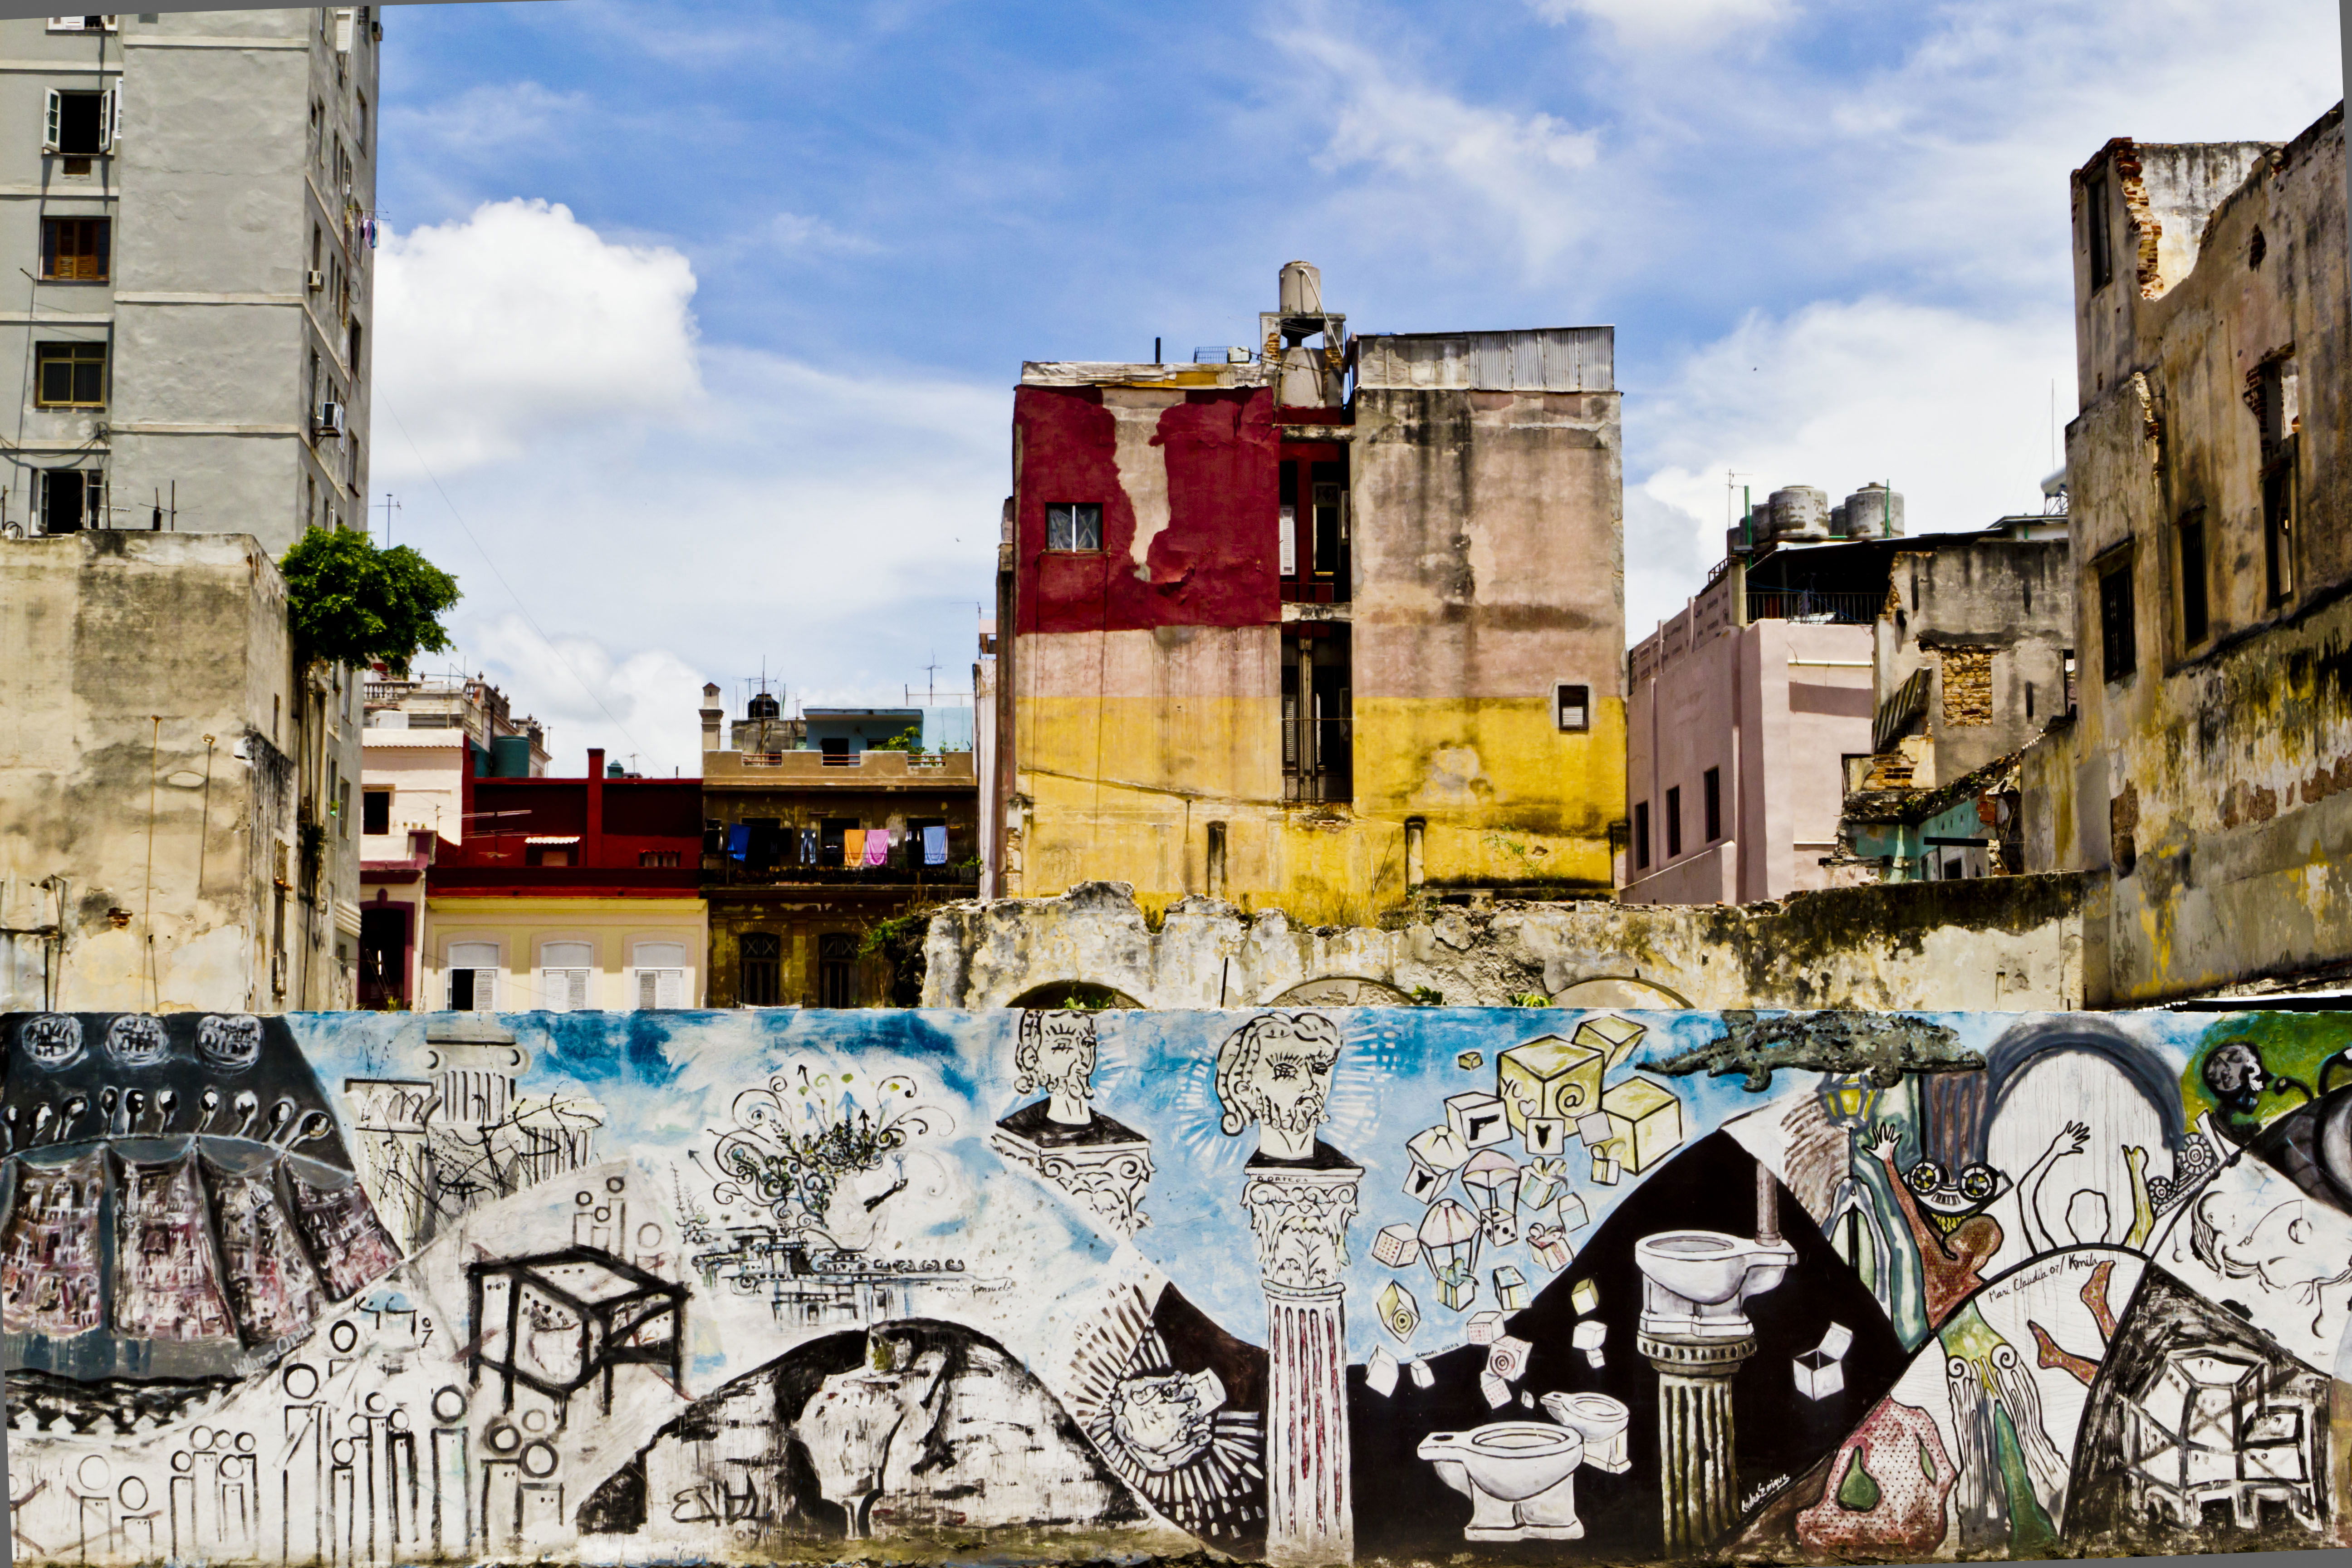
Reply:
x=330, y=420
x=318, y=281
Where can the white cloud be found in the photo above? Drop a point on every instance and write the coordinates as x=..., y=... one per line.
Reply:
x=801, y=234
x=1668, y=21
x=520, y=321
x=1953, y=409
x=641, y=709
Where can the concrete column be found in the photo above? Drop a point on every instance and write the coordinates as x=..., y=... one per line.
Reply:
x=1299, y=1216
x=1697, y=1480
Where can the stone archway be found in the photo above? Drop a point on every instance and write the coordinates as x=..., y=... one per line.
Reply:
x=1342, y=991
x=1617, y=992
x=1080, y=994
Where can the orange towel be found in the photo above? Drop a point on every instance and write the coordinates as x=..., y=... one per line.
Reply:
x=853, y=846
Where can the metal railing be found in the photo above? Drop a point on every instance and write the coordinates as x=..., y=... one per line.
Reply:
x=1805, y=604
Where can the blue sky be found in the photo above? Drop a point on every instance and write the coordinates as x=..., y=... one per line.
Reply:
x=704, y=317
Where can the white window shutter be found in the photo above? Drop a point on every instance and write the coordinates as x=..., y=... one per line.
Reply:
x=110, y=125
x=486, y=990
x=671, y=990
x=1290, y=542
x=56, y=114
x=647, y=982
x=575, y=992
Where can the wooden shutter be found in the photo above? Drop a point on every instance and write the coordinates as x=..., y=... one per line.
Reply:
x=575, y=990
x=669, y=989
x=1289, y=541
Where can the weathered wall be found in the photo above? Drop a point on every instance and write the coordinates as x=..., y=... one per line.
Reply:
x=2010, y=943
x=177, y=842
x=2207, y=779
x=1992, y=621
x=1308, y=1286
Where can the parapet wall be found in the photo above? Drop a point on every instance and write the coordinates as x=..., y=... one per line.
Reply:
x=2008, y=943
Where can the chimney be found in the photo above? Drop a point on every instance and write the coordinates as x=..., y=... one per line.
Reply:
x=712, y=716
x=592, y=832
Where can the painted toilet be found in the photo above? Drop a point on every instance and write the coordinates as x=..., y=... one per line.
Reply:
x=1600, y=1421
x=1519, y=1476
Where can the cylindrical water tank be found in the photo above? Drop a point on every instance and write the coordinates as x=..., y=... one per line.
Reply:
x=1837, y=520
x=1873, y=512
x=510, y=756
x=1801, y=512
x=764, y=706
x=1302, y=288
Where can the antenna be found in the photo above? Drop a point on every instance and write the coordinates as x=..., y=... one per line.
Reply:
x=390, y=506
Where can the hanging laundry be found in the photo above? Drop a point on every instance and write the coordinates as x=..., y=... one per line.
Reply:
x=808, y=845
x=878, y=845
x=853, y=846
x=935, y=845
x=739, y=842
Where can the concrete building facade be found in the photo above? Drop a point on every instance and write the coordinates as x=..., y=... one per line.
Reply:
x=1317, y=627
x=190, y=196
x=1737, y=735
x=175, y=823
x=2206, y=769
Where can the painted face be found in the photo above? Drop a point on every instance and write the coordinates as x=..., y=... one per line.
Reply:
x=137, y=1039
x=1162, y=1419
x=230, y=1041
x=1293, y=1081
x=1065, y=1056
x=53, y=1040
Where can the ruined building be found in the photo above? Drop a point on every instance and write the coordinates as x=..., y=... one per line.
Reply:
x=2205, y=769
x=1314, y=624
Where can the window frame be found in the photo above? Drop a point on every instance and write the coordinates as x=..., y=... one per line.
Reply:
x=768, y=966
x=101, y=229
x=1711, y=804
x=1582, y=707
x=2193, y=558
x=1674, y=823
x=376, y=804
x=2098, y=232
x=46, y=353
x=451, y=968
x=1076, y=513
x=1641, y=835
x=110, y=121
x=2118, y=612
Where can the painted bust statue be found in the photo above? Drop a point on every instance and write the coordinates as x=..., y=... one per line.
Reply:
x=1275, y=1072
x=1055, y=1052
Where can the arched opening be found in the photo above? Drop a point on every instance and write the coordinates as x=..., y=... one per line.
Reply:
x=1082, y=995
x=1342, y=991
x=1617, y=992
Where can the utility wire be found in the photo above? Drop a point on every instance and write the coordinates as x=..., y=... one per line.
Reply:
x=520, y=608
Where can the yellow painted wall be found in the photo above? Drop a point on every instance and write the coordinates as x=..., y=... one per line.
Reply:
x=519, y=926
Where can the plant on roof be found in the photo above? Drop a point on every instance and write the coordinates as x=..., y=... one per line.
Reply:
x=348, y=602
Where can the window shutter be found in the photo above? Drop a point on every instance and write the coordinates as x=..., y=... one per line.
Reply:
x=671, y=990
x=648, y=982
x=110, y=125
x=56, y=114
x=1290, y=542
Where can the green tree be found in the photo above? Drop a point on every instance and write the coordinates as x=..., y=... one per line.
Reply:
x=907, y=740
x=350, y=603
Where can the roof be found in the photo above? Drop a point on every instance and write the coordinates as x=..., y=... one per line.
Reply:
x=413, y=740
x=1911, y=805
x=1539, y=359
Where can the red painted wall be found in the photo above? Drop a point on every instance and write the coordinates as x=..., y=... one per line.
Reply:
x=634, y=816
x=1212, y=566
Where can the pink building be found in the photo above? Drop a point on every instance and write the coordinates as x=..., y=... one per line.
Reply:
x=1739, y=733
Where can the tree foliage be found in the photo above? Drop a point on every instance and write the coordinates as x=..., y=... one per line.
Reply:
x=351, y=603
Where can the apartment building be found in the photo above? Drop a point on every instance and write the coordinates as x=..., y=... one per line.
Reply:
x=1314, y=624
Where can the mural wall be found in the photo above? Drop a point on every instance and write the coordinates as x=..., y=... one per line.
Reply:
x=1535, y=1284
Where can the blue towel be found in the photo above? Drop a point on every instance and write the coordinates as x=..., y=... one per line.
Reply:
x=739, y=842
x=935, y=845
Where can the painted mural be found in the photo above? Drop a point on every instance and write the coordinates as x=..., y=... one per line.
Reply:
x=1527, y=1284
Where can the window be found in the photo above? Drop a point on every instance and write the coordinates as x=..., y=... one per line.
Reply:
x=837, y=755
x=656, y=859
x=565, y=969
x=925, y=847
x=763, y=969
x=1673, y=822
x=2192, y=580
x=1642, y=837
x=1572, y=706
x=2094, y=222
x=836, y=969
x=352, y=358
x=473, y=976
x=2275, y=399
x=1073, y=526
x=375, y=811
x=2117, y=650
x=1711, y=788
x=79, y=124
x=75, y=249
x=2066, y=658
x=69, y=375
x=829, y=838
x=343, y=809
x=658, y=977
x=71, y=500
x=81, y=25
x=359, y=122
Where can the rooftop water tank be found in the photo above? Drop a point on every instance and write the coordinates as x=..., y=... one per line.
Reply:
x=1873, y=512
x=1301, y=289
x=510, y=756
x=1801, y=512
x=763, y=706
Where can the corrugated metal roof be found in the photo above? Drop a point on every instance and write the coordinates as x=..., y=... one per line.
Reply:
x=1541, y=359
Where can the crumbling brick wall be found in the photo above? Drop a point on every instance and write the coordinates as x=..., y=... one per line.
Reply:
x=1967, y=684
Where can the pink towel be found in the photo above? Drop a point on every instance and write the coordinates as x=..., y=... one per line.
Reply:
x=878, y=845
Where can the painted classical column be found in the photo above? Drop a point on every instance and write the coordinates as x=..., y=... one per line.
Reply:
x=1696, y=1479
x=1299, y=1216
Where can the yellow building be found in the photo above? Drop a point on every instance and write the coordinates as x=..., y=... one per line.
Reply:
x=1315, y=627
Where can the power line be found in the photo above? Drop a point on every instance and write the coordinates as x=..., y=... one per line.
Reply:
x=520, y=608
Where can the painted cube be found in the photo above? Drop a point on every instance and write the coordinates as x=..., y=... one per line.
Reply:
x=1399, y=1313
x=1548, y=1078
x=1422, y=1184
x=1381, y=1372
x=1646, y=1119
x=1511, y=1289
x=1439, y=1148
x=1499, y=1226
x=1585, y=1297
x=1506, y=1358
x=1820, y=1375
x=1485, y=1328
x=1551, y=1248
x=1545, y=1135
x=1613, y=1037
x=1572, y=1214
x=1478, y=1120
x=1423, y=1377
x=1589, y=1335
x=1396, y=1246
x=1605, y=1170
x=1496, y=1391
x=1593, y=1128
x=1470, y=1061
x=1542, y=1183
x=1457, y=1290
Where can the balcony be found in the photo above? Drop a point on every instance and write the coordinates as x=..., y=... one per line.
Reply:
x=726, y=872
x=857, y=770
x=1807, y=606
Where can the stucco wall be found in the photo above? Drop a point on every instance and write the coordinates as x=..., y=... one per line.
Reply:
x=2009, y=942
x=1987, y=618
